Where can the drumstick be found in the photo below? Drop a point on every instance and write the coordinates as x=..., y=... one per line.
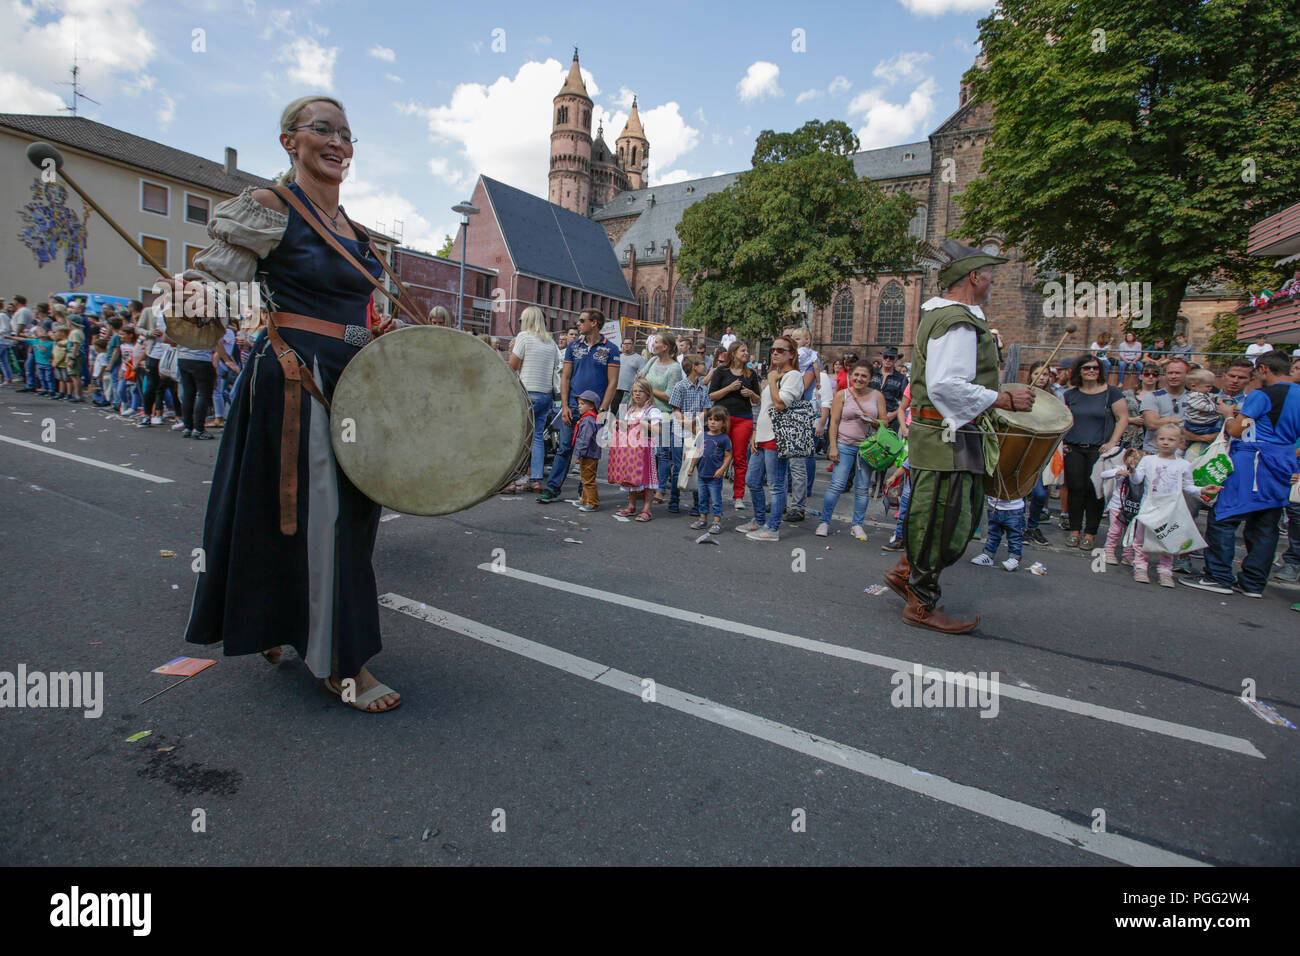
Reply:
x=1069, y=330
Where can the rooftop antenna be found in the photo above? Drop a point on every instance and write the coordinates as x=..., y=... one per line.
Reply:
x=75, y=84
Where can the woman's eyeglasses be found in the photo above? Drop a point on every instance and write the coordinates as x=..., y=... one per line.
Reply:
x=325, y=131
x=780, y=349
x=1089, y=368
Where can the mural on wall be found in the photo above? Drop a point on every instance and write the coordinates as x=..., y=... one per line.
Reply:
x=51, y=225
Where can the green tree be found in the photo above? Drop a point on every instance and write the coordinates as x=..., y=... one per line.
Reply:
x=1138, y=139
x=1223, y=337
x=444, y=250
x=800, y=219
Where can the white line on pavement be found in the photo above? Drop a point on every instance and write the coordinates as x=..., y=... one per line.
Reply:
x=1194, y=734
x=156, y=479
x=1031, y=819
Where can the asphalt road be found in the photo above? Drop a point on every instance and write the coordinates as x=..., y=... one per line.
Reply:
x=613, y=692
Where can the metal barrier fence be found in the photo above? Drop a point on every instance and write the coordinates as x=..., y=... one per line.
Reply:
x=1019, y=358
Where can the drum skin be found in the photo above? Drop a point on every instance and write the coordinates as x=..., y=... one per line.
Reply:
x=1026, y=441
x=429, y=421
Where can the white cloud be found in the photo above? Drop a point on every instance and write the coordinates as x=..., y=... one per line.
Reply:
x=807, y=95
x=442, y=168
x=393, y=78
x=839, y=85
x=382, y=208
x=276, y=20
x=901, y=68
x=623, y=99
x=675, y=176
x=759, y=82
x=936, y=8
x=167, y=110
x=38, y=42
x=382, y=53
x=310, y=64
x=503, y=129
x=886, y=123
x=718, y=172
x=699, y=115
x=544, y=40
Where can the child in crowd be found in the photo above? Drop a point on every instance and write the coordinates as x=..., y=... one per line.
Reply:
x=43, y=345
x=99, y=369
x=59, y=361
x=1004, y=516
x=632, y=456
x=714, y=459
x=1163, y=473
x=688, y=400
x=1200, y=417
x=1125, y=501
x=586, y=449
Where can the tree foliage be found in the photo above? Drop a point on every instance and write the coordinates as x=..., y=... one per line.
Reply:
x=1138, y=139
x=800, y=219
x=1223, y=335
x=444, y=250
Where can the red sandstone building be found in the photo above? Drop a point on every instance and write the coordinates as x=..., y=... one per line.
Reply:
x=1277, y=236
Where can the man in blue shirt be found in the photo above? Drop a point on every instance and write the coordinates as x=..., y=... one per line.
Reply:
x=590, y=362
x=1263, y=461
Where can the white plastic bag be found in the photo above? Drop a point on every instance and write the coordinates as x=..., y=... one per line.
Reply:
x=1214, y=465
x=1167, y=525
x=169, y=364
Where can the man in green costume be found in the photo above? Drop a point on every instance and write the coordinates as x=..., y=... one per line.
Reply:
x=950, y=443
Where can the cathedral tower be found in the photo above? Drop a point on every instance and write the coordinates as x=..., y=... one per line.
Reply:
x=570, y=176
x=633, y=150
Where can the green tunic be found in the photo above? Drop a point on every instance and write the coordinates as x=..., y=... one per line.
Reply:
x=926, y=447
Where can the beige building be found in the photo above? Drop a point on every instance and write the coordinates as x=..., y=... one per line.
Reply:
x=162, y=197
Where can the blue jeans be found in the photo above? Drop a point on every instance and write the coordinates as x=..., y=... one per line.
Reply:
x=1037, y=502
x=847, y=469
x=542, y=403
x=1124, y=368
x=765, y=462
x=1011, y=522
x=5, y=348
x=46, y=374
x=904, y=502
x=1291, y=555
x=29, y=369
x=1259, y=529
x=669, y=459
x=563, y=456
x=710, y=497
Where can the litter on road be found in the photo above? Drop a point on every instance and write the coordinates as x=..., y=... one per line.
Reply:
x=140, y=736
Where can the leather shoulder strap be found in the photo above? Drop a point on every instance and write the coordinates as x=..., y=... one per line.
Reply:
x=332, y=241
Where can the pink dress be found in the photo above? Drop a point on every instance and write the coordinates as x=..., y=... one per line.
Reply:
x=631, y=450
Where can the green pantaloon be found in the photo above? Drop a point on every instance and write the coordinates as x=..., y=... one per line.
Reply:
x=941, y=520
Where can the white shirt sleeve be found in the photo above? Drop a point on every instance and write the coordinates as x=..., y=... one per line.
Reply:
x=949, y=369
x=790, y=387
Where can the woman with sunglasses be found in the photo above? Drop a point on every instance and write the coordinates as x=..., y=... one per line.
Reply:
x=1148, y=384
x=784, y=385
x=1100, y=417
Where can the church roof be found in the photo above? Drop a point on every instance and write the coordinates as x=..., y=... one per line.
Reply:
x=115, y=144
x=601, y=154
x=657, y=218
x=548, y=241
x=573, y=82
x=633, y=125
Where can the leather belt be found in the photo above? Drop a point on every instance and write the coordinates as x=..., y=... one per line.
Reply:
x=357, y=335
x=930, y=413
x=297, y=378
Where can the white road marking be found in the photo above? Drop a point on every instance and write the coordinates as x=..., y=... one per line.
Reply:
x=1031, y=819
x=88, y=461
x=1209, y=738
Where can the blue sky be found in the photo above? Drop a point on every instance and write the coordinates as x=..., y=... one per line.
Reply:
x=438, y=93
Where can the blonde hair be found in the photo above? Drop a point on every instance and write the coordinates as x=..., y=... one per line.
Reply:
x=800, y=336
x=669, y=340
x=643, y=385
x=533, y=320
x=289, y=118
x=440, y=312
x=1200, y=376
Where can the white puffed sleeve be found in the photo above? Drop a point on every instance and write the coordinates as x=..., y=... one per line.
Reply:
x=242, y=231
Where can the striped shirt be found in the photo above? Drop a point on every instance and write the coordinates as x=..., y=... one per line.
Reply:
x=690, y=399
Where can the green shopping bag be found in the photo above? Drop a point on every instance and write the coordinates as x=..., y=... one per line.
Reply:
x=881, y=449
x=1213, y=466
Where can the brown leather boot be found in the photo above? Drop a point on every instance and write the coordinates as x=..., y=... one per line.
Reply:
x=918, y=615
x=897, y=576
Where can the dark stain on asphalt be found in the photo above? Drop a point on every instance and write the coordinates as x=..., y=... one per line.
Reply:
x=191, y=778
x=1086, y=820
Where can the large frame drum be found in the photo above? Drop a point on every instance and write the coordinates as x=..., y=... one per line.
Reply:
x=1026, y=441
x=429, y=421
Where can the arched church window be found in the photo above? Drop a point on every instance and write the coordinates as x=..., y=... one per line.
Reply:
x=657, y=306
x=889, y=329
x=586, y=117
x=633, y=155
x=842, y=319
x=681, y=300
x=916, y=228
x=562, y=115
x=643, y=305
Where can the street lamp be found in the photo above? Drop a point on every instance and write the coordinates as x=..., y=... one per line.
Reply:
x=465, y=210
